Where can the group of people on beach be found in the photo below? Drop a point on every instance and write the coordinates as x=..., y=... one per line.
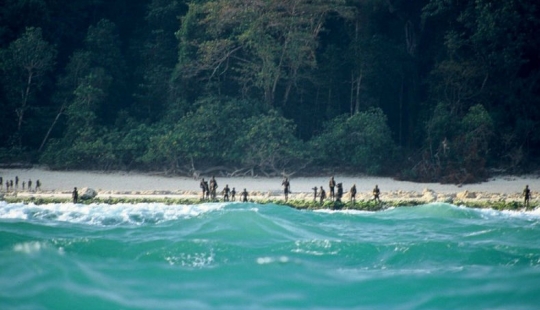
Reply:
x=209, y=191
x=13, y=186
x=336, y=192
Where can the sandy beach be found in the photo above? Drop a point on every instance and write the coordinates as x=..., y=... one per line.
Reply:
x=120, y=184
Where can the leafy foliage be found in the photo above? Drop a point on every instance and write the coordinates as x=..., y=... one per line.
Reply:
x=200, y=138
x=458, y=146
x=25, y=65
x=273, y=87
x=270, y=145
x=362, y=141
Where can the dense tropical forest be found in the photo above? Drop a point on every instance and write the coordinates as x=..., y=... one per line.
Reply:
x=424, y=90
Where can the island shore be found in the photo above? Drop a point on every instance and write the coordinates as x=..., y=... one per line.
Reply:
x=130, y=185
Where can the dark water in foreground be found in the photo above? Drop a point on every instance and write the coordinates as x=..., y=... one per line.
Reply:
x=250, y=256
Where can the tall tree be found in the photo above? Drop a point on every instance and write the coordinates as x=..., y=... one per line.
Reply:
x=264, y=47
x=26, y=63
x=85, y=90
x=157, y=55
x=103, y=43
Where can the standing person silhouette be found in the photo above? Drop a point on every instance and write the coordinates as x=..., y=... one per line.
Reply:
x=376, y=194
x=353, y=193
x=233, y=194
x=322, y=195
x=75, y=195
x=213, y=187
x=244, y=195
x=206, y=191
x=331, y=185
x=315, y=193
x=526, y=197
x=226, y=191
x=339, y=192
x=286, y=188
x=203, y=188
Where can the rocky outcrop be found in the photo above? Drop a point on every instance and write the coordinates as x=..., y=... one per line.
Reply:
x=87, y=193
x=465, y=195
x=428, y=195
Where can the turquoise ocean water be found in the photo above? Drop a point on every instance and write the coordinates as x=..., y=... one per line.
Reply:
x=251, y=256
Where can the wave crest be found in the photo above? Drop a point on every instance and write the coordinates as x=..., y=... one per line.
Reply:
x=104, y=214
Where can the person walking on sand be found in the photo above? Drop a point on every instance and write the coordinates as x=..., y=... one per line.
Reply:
x=331, y=185
x=29, y=185
x=322, y=195
x=353, y=193
x=226, y=191
x=17, y=182
x=376, y=193
x=244, y=195
x=75, y=195
x=286, y=188
x=526, y=197
x=38, y=185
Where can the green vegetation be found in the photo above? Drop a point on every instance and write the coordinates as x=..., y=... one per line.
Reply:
x=424, y=90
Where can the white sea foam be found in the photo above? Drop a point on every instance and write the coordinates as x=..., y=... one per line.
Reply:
x=195, y=260
x=315, y=247
x=487, y=213
x=29, y=247
x=343, y=211
x=492, y=213
x=269, y=260
x=104, y=214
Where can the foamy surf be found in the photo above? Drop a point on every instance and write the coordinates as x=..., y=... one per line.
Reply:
x=104, y=214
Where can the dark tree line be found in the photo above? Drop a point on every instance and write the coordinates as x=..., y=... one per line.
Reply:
x=427, y=90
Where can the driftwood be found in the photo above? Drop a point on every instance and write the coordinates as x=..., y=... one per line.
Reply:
x=251, y=171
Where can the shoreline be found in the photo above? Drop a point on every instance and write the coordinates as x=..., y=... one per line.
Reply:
x=505, y=190
x=300, y=204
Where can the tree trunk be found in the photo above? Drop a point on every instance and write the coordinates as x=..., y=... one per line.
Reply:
x=330, y=96
x=401, y=94
x=410, y=37
x=24, y=102
x=351, y=103
x=24, y=105
x=52, y=126
x=358, y=85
